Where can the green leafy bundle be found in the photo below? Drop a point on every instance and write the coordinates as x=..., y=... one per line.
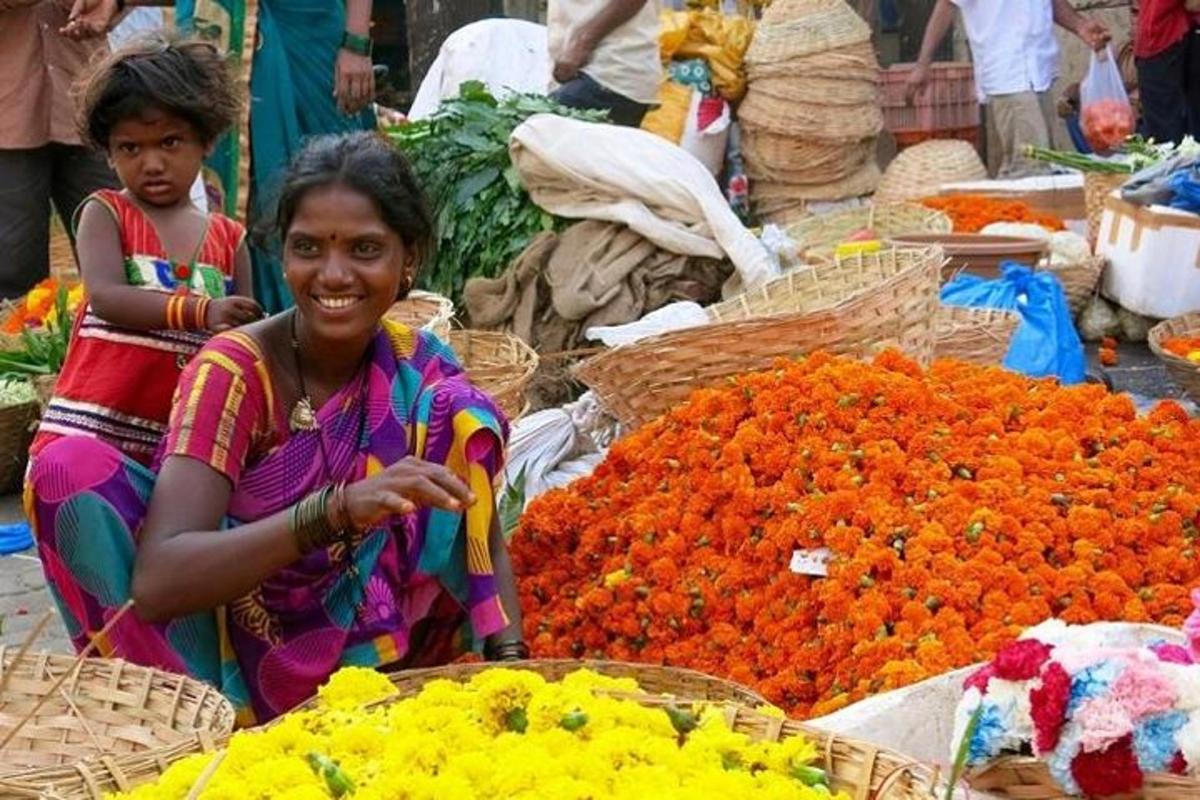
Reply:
x=42, y=349
x=484, y=216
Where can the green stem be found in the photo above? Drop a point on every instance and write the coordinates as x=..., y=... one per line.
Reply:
x=964, y=749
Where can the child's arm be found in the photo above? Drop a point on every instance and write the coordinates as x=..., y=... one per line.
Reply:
x=241, y=308
x=102, y=264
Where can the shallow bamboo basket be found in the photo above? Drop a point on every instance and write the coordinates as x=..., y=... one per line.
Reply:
x=498, y=363
x=854, y=306
x=1184, y=373
x=861, y=770
x=977, y=335
x=888, y=221
x=425, y=311
x=1029, y=779
x=105, y=709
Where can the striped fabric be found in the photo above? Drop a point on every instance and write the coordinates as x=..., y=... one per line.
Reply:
x=117, y=383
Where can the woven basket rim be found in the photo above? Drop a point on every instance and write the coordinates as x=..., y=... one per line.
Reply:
x=108, y=682
x=1181, y=325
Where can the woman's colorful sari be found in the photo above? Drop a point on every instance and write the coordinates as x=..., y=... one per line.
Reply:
x=422, y=582
x=294, y=45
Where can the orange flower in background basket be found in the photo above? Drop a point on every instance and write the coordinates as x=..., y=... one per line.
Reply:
x=972, y=213
x=37, y=308
x=956, y=507
x=1184, y=346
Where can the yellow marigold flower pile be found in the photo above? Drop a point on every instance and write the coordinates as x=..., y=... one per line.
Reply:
x=505, y=734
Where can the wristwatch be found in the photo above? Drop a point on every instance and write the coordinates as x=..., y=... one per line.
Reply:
x=362, y=45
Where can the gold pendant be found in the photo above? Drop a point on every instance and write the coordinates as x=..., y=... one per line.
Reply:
x=303, y=418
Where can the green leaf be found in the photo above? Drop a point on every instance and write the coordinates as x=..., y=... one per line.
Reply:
x=964, y=749
x=512, y=503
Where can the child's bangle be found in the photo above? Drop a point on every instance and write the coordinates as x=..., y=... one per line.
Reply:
x=175, y=312
x=201, y=313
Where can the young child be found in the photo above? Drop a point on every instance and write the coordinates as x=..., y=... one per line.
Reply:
x=160, y=276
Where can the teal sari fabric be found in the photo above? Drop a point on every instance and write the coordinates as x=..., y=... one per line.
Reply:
x=291, y=99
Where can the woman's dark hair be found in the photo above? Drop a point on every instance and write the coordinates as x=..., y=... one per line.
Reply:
x=158, y=70
x=366, y=163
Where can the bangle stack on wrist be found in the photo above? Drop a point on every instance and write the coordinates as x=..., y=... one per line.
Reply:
x=506, y=651
x=310, y=522
x=321, y=518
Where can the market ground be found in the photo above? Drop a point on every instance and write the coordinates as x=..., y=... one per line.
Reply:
x=24, y=599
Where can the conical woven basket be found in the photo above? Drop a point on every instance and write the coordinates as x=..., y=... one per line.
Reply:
x=977, y=335
x=795, y=28
x=921, y=170
x=810, y=121
x=887, y=221
x=855, y=306
x=1184, y=373
x=424, y=311
x=853, y=62
x=819, y=91
x=837, y=163
x=767, y=151
x=862, y=182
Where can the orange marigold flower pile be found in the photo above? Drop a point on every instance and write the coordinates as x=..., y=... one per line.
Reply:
x=961, y=505
x=972, y=213
x=1184, y=346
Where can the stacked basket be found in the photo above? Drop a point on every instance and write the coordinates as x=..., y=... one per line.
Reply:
x=811, y=115
x=852, y=306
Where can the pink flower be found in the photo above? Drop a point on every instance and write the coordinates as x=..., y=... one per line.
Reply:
x=1142, y=690
x=1111, y=771
x=980, y=678
x=1172, y=653
x=1022, y=660
x=1103, y=721
x=1191, y=625
x=1048, y=706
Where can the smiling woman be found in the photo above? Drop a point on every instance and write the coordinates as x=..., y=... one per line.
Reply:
x=324, y=493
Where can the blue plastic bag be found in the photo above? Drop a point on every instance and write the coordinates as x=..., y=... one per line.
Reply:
x=1046, y=343
x=1186, y=186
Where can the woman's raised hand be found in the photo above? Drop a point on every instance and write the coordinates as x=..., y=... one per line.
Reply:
x=401, y=488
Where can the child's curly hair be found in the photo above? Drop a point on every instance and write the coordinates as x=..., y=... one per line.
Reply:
x=159, y=70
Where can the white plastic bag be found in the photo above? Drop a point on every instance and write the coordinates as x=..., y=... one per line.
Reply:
x=1105, y=115
x=708, y=144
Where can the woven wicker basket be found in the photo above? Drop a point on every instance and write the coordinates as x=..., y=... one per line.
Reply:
x=820, y=91
x=774, y=195
x=978, y=335
x=887, y=221
x=106, y=707
x=854, y=62
x=1079, y=280
x=772, y=156
x=43, y=385
x=859, y=769
x=795, y=28
x=922, y=169
x=1096, y=187
x=812, y=121
x=1184, y=373
x=16, y=432
x=1029, y=779
x=498, y=363
x=855, y=306
x=426, y=311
